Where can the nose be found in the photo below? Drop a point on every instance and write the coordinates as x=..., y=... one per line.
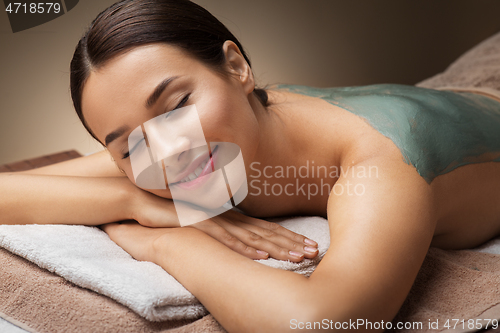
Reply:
x=167, y=148
x=168, y=137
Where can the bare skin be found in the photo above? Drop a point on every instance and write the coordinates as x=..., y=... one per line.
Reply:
x=378, y=239
x=467, y=200
x=386, y=232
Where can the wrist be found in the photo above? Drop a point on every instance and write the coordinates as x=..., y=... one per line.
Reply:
x=129, y=199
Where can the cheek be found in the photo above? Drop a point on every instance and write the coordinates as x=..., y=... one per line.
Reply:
x=128, y=171
x=232, y=121
x=215, y=116
x=223, y=118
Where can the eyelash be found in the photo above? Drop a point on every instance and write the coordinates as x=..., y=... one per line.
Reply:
x=181, y=103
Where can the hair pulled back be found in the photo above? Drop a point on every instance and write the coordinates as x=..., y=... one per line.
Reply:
x=131, y=23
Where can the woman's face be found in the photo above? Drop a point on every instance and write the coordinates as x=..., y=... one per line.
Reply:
x=115, y=102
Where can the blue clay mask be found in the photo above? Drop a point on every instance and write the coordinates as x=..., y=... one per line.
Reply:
x=435, y=130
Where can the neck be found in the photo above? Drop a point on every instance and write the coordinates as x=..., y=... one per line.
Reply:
x=283, y=177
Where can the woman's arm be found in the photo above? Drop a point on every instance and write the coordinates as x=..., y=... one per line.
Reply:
x=378, y=242
x=49, y=199
x=90, y=190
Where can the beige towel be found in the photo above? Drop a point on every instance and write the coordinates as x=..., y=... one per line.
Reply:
x=453, y=285
x=87, y=257
x=450, y=285
x=477, y=70
x=45, y=302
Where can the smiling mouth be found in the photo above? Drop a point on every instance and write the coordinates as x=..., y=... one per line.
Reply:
x=204, y=168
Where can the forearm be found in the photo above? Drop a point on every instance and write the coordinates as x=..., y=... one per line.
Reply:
x=46, y=199
x=243, y=295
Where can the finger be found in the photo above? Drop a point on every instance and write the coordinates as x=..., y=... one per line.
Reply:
x=222, y=235
x=257, y=241
x=279, y=230
x=295, y=249
x=281, y=236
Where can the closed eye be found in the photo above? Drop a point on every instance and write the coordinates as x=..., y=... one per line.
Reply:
x=181, y=104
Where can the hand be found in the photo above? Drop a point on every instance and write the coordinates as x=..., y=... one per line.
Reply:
x=256, y=238
x=251, y=237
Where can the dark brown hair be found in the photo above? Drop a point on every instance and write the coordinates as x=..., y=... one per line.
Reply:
x=131, y=23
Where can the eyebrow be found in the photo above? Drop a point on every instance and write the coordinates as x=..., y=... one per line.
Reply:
x=152, y=99
x=115, y=134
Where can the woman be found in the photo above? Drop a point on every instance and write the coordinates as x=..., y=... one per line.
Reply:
x=406, y=168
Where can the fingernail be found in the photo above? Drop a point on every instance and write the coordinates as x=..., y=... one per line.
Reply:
x=264, y=253
x=310, y=242
x=310, y=249
x=295, y=254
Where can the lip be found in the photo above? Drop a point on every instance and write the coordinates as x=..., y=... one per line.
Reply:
x=200, y=179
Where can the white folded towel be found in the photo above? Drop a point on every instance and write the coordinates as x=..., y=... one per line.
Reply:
x=492, y=246
x=88, y=258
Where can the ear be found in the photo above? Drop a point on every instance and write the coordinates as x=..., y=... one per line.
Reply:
x=238, y=66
